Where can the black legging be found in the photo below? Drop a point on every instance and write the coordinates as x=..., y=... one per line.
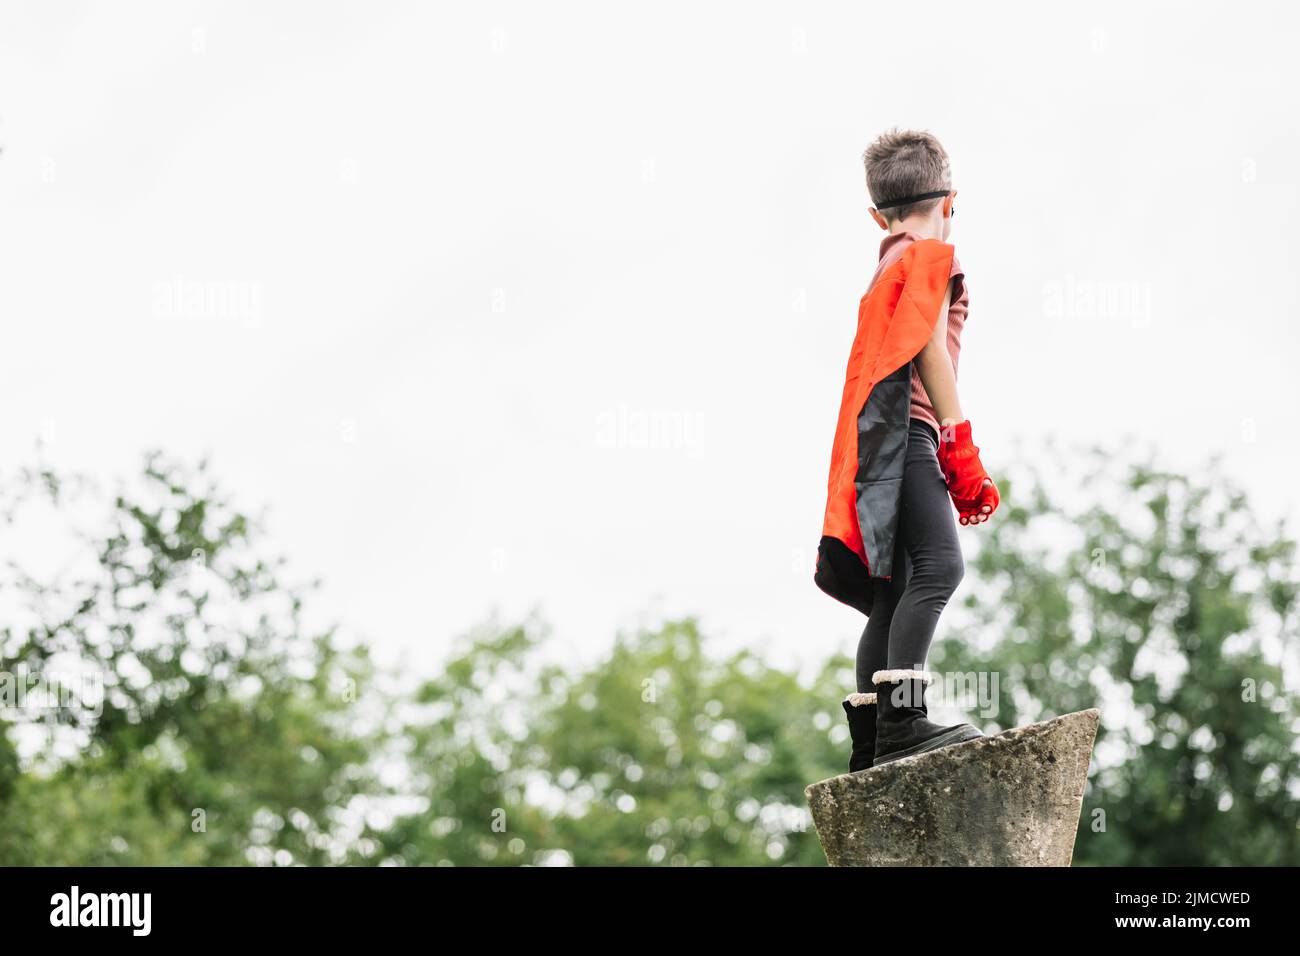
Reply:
x=928, y=567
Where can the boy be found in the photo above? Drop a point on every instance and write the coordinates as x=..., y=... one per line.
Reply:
x=902, y=447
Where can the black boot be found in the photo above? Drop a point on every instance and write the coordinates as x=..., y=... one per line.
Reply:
x=902, y=725
x=861, y=710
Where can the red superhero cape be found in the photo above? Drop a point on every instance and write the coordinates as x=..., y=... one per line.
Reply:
x=895, y=319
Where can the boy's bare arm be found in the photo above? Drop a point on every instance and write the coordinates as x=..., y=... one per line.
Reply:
x=934, y=366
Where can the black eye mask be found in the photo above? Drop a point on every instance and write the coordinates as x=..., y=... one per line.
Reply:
x=908, y=200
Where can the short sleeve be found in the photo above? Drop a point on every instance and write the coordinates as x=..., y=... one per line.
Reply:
x=959, y=288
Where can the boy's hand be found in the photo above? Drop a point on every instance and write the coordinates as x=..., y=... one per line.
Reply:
x=972, y=490
x=978, y=510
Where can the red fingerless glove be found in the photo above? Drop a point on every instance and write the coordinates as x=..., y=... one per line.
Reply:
x=959, y=460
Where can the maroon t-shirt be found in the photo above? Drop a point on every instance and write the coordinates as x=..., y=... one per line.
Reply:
x=891, y=248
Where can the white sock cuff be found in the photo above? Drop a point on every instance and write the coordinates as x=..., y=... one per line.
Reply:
x=893, y=677
x=861, y=700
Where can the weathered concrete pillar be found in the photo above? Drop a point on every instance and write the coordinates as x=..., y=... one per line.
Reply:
x=1009, y=800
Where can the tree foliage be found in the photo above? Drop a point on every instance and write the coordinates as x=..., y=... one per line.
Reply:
x=1160, y=598
x=227, y=730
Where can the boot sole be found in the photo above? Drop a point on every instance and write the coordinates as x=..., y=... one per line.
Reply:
x=959, y=734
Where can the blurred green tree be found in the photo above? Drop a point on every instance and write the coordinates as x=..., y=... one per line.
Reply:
x=1160, y=598
x=658, y=754
x=231, y=732
x=199, y=722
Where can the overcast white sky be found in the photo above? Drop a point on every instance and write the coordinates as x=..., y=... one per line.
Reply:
x=416, y=276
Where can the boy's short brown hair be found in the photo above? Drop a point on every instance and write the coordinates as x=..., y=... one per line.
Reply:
x=906, y=162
